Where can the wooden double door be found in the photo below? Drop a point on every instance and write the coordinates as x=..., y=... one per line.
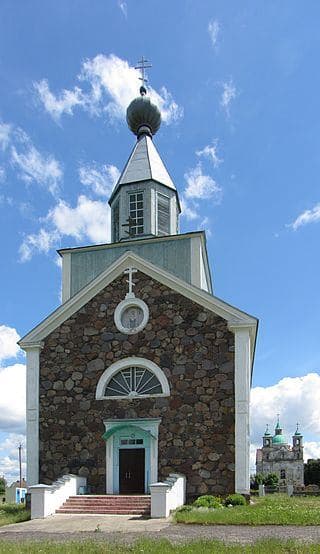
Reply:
x=131, y=470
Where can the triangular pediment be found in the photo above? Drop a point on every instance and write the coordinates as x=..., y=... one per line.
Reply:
x=234, y=316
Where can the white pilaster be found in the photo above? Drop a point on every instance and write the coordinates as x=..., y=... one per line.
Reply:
x=33, y=366
x=242, y=407
x=66, y=276
x=195, y=245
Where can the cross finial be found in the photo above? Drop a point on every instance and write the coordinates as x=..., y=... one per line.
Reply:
x=142, y=65
x=130, y=271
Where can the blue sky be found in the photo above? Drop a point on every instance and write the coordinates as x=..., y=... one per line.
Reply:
x=238, y=89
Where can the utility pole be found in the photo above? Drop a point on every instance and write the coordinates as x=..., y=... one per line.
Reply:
x=20, y=464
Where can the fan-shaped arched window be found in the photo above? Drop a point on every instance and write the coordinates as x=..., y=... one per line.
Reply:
x=132, y=378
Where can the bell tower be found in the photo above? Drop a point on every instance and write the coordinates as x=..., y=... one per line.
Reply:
x=297, y=441
x=145, y=201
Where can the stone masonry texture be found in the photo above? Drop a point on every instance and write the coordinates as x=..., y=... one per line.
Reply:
x=194, y=348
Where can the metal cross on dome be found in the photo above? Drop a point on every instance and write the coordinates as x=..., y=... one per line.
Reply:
x=143, y=64
x=130, y=271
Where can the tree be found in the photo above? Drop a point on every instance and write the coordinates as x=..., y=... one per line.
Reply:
x=312, y=472
x=269, y=480
x=3, y=484
x=256, y=480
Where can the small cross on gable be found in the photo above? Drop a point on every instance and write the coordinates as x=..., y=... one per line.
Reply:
x=130, y=271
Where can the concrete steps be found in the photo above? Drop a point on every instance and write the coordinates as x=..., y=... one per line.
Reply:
x=107, y=504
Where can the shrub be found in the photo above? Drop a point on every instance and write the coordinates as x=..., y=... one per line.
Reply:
x=208, y=501
x=185, y=508
x=235, y=500
x=12, y=508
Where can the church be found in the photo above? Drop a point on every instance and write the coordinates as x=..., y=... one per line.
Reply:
x=142, y=371
x=277, y=456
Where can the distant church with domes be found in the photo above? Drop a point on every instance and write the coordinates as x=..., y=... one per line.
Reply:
x=277, y=456
x=142, y=372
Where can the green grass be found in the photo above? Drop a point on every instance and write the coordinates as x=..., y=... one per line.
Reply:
x=157, y=547
x=276, y=509
x=13, y=513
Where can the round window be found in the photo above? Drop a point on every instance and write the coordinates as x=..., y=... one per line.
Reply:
x=131, y=316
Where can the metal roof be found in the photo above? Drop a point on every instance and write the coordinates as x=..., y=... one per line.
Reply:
x=144, y=164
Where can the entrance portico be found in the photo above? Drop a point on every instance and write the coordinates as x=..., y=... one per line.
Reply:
x=131, y=455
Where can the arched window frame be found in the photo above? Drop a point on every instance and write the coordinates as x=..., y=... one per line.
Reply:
x=126, y=363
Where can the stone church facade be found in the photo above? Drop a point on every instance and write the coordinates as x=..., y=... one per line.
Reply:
x=279, y=457
x=141, y=371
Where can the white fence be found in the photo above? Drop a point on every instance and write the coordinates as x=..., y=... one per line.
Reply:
x=46, y=499
x=168, y=495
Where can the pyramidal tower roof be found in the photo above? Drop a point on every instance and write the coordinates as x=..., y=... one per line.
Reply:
x=144, y=164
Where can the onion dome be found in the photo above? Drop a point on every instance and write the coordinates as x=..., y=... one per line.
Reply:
x=267, y=433
x=143, y=117
x=297, y=431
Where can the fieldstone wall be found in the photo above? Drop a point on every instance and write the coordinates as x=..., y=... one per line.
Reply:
x=195, y=350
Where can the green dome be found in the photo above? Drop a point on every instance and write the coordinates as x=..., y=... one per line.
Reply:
x=143, y=116
x=279, y=439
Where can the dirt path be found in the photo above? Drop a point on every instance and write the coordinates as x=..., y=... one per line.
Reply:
x=128, y=529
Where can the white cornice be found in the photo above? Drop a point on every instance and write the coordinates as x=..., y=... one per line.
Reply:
x=212, y=303
x=180, y=236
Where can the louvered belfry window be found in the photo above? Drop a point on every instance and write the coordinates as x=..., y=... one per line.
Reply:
x=133, y=382
x=163, y=214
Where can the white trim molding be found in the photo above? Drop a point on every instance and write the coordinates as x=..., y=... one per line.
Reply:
x=32, y=405
x=150, y=425
x=125, y=363
x=66, y=276
x=205, y=299
x=242, y=406
x=131, y=302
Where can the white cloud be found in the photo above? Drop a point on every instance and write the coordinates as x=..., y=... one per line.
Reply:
x=33, y=166
x=213, y=29
x=5, y=131
x=101, y=178
x=13, y=398
x=308, y=216
x=9, y=459
x=288, y=398
x=36, y=167
x=40, y=242
x=229, y=93
x=57, y=105
x=311, y=450
x=188, y=210
x=200, y=185
x=10, y=444
x=88, y=220
x=113, y=84
x=8, y=343
x=211, y=152
x=9, y=468
x=123, y=7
